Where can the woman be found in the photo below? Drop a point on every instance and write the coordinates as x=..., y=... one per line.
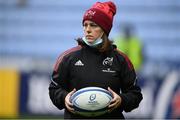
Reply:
x=95, y=62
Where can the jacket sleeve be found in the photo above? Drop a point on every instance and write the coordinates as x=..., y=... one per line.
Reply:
x=131, y=93
x=58, y=88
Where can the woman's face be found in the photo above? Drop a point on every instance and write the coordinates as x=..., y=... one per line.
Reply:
x=92, y=31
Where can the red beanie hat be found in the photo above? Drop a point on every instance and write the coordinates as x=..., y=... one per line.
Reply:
x=102, y=14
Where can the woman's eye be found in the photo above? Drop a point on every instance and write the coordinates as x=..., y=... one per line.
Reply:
x=94, y=25
x=84, y=25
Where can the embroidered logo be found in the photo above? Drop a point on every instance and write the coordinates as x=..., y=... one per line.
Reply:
x=79, y=63
x=109, y=70
x=90, y=14
x=108, y=61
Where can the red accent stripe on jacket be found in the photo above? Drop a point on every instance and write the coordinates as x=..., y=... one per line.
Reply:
x=64, y=54
x=130, y=65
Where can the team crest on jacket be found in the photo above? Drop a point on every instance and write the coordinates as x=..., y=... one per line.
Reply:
x=108, y=61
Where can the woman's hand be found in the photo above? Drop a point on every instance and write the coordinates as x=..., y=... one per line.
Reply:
x=115, y=102
x=68, y=104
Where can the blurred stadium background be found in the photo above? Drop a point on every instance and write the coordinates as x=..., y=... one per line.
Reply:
x=34, y=32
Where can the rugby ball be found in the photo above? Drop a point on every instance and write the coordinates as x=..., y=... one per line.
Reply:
x=91, y=101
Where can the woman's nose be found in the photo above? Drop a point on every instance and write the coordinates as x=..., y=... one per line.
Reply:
x=88, y=29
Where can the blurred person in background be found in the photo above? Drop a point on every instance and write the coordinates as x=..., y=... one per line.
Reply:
x=131, y=45
x=95, y=62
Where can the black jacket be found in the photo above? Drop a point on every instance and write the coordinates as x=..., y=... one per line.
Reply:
x=81, y=67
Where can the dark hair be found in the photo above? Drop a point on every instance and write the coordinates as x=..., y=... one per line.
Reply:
x=104, y=47
x=106, y=44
